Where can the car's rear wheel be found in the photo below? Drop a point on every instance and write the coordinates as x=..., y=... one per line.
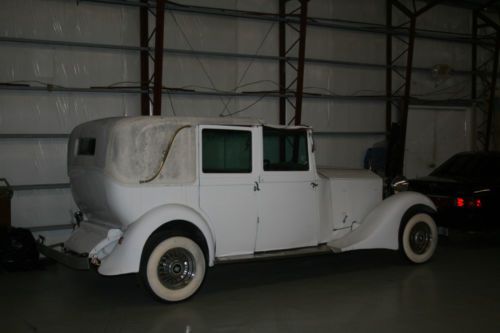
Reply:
x=173, y=267
x=418, y=236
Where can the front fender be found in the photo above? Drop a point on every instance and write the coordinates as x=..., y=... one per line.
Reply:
x=380, y=228
x=126, y=257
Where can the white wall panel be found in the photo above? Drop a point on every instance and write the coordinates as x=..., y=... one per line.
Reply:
x=265, y=109
x=345, y=45
x=436, y=134
x=446, y=18
x=372, y=11
x=29, y=161
x=338, y=80
x=42, y=112
x=42, y=207
x=67, y=67
x=344, y=116
x=266, y=6
x=454, y=87
x=184, y=30
x=453, y=54
x=199, y=73
x=251, y=36
x=343, y=151
x=43, y=161
x=69, y=20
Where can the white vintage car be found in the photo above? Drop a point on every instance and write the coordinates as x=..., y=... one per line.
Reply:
x=166, y=197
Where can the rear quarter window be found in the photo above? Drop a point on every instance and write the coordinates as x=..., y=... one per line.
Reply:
x=86, y=146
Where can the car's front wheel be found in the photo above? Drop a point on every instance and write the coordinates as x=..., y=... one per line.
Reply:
x=173, y=267
x=418, y=236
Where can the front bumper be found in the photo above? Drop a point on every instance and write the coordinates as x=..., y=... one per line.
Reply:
x=59, y=254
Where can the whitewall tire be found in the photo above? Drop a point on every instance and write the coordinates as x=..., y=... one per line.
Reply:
x=173, y=268
x=419, y=237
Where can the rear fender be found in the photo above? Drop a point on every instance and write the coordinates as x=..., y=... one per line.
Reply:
x=126, y=256
x=380, y=228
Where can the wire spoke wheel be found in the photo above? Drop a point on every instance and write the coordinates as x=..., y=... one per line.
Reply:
x=176, y=268
x=420, y=237
x=173, y=267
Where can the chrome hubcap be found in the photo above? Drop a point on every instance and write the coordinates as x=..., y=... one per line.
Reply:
x=176, y=268
x=420, y=238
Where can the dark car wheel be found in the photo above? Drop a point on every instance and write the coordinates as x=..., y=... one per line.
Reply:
x=418, y=236
x=173, y=267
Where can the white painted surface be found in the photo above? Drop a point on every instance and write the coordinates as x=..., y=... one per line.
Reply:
x=237, y=213
x=380, y=229
x=354, y=193
x=435, y=135
x=127, y=255
x=289, y=216
x=230, y=202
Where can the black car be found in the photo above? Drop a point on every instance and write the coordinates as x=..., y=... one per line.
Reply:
x=465, y=190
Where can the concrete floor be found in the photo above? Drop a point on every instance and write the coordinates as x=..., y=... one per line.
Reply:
x=366, y=291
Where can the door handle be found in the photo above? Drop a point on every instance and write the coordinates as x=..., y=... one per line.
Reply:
x=256, y=186
x=314, y=185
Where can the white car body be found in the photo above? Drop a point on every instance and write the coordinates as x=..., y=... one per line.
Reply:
x=240, y=215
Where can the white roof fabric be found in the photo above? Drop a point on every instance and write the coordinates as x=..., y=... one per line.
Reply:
x=131, y=149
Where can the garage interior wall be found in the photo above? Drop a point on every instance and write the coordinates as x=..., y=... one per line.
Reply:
x=345, y=127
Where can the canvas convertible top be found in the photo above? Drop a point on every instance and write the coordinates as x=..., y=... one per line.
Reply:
x=131, y=149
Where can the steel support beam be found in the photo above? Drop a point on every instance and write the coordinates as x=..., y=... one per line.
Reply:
x=300, y=66
x=473, y=93
x=403, y=121
x=158, y=59
x=484, y=75
x=151, y=104
x=491, y=98
x=397, y=137
x=298, y=46
x=144, y=52
x=282, y=62
x=388, y=67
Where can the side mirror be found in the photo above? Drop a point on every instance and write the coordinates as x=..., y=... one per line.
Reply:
x=399, y=184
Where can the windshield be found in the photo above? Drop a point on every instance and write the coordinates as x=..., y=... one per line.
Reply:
x=475, y=166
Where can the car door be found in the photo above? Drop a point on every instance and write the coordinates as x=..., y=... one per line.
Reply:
x=228, y=174
x=289, y=216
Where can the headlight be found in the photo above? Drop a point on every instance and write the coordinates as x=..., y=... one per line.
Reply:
x=399, y=184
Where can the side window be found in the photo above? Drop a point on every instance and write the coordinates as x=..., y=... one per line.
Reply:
x=86, y=146
x=285, y=150
x=226, y=151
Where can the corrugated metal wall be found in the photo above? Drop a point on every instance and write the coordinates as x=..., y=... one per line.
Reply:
x=347, y=126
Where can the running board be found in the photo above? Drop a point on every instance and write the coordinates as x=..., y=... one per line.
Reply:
x=304, y=251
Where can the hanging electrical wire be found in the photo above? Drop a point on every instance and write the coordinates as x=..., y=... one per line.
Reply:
x=246, y=107
x=250, y=64
x=210, y=80
x=171, y=104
